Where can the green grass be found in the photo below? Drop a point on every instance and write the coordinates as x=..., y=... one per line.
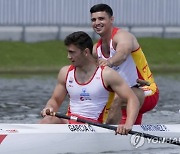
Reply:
x=161, y=51
x=48, y=54
x=51, y=55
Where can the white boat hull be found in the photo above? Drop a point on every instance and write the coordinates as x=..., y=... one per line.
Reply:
x=55, y=139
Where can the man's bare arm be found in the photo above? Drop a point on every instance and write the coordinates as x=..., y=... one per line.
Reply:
x=124, y=43
x=112, y=79
x=59, y=92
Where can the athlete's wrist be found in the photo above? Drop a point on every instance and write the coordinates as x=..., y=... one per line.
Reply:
x=110, y=64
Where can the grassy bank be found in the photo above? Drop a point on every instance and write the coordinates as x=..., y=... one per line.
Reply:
x=51, y=55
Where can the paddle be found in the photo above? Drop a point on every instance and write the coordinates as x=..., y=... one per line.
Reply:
x=110, y=127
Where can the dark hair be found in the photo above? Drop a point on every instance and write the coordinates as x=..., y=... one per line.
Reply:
x=80, y=39
x=102, y=7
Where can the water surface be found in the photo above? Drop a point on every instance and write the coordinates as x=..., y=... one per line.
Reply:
x=22, y=99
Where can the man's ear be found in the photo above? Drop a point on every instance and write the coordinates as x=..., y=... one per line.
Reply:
x=86, y=52
x=112, y=19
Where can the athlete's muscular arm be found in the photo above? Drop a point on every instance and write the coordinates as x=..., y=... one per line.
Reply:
x=120, y=87
x=59, y=93
x=124, y=43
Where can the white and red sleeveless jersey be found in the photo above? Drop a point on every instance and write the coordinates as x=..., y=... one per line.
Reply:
x=91, y=99
x=127, y=69
x=134, y=67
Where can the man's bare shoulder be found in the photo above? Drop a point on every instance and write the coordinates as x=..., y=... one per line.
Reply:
x=63, y=72
x=111, y=77
x=122, y=33
x=109, y=73
x=127, y=39
x=64, y=68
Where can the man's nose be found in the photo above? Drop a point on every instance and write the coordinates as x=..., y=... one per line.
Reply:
x=97, y=22
x=68, y=56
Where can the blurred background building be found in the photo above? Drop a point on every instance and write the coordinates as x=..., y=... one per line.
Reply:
x=40, y=20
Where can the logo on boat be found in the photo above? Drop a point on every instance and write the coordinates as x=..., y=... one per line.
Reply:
x=2, y=137
x=81, y=128
x=157, y=127
x=9, y=130
x=137, y=140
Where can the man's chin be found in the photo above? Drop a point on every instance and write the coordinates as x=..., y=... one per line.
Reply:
x=98, y=32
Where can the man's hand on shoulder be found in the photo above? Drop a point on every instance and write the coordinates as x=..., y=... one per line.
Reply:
x=104, y=62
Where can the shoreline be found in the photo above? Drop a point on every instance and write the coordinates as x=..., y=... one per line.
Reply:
x=55, y=69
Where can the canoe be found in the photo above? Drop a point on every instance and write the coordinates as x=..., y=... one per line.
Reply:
x=80, y=138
